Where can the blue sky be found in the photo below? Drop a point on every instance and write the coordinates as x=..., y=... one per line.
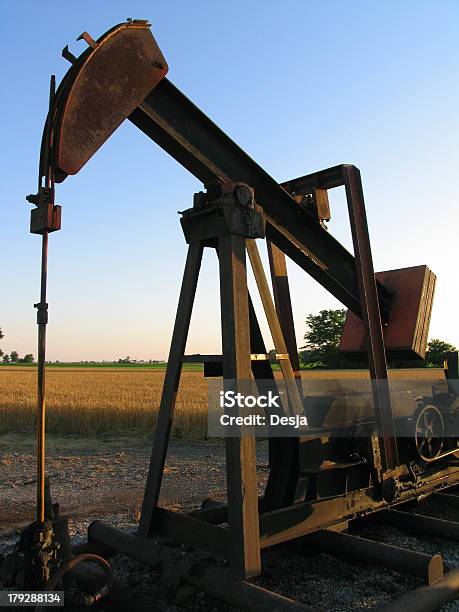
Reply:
x=300, y=86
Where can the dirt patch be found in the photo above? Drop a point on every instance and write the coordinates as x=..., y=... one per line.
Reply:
x=104, y=479
x=108, y=477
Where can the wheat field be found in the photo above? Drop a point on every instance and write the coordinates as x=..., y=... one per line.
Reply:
x=92, y=401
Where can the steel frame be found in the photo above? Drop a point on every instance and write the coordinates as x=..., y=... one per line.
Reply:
x=240, y=334
x=349, y=177
x=284, y=512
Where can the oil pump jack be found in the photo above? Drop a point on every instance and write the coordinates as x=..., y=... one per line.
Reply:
x=323, y=479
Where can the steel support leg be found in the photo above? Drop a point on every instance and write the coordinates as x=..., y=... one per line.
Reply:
x=244, y=551
x=371, y=316
x=281, y=291
x=283, y=452
x=170, y=387
x=295, y=400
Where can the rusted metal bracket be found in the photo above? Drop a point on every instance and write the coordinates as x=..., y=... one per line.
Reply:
x=45, y=218
x=227, y=208
x=88, y=39
x=42, y=313
x=316, y=205
x=68, y=55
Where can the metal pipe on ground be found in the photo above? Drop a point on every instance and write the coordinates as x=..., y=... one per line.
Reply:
x=418, y=524
x=198, y=572
x=427, y=567
x=427, y=598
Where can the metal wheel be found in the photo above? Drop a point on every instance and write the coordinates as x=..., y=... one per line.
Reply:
x=429, y=432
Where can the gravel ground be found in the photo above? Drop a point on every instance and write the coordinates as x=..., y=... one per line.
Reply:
x=98, y=480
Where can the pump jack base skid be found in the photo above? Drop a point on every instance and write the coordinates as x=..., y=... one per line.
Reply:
x=188, y=549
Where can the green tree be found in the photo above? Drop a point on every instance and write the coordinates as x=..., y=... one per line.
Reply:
x=436, y=350
x=6, y=358
x=29, y=358
x=125, y=360
x=323, y=335
x=14, y=356
x=1, y=336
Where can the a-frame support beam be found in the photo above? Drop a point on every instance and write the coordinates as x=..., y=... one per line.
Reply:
x=170, y=387
x=281, y=292
x=244, y=541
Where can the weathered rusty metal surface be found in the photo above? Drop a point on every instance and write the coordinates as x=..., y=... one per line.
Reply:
x=195, y=570
x=427, y=567
x=405, y=335
x=281, y=293
x=371, y=317
x=101, y=89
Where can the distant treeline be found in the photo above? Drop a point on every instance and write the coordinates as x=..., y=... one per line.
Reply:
x=138, y=365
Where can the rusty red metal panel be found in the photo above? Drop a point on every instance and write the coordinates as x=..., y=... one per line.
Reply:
x=101, y=89
x=405, y=335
